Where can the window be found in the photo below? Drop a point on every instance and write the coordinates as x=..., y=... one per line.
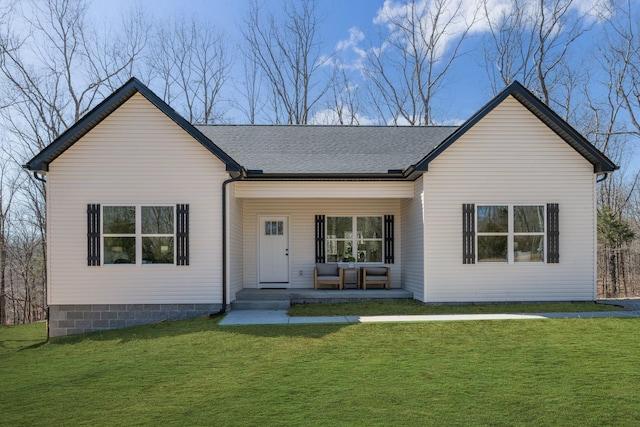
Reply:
x=138, y=234
x=119, y=234
x=493, y=233
x=354, y=239
x=528, y=233
x=510, y=233
x=157, y=234
x=274, y=228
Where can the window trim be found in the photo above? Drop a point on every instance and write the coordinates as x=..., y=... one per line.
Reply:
x=138, y=235
x=355, y=239
x=511, y=234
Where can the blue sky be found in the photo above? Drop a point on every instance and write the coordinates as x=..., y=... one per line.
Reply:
x=338, y=15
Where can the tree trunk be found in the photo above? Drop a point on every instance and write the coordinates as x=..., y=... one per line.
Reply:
x=613, y=273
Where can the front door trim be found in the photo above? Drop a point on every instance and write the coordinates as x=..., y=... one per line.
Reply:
x=260, y=231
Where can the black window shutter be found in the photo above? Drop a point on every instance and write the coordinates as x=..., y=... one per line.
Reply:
x=93, y=235
x=320, y=244
x=182, y=234
x=553, y=233
x=388, y=239
x=468, y=234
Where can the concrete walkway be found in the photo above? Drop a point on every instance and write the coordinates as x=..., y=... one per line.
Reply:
x=280, y=317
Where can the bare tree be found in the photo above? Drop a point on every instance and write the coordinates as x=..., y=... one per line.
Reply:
x=251, y=90
x=63, y=60
x=342, y=103
x=288, y=53
x=26, y=294
x=620, y=54
x=190, y=60
x=9, y=185
x=346, y=100
x=408, y=70
x=616, y=131
x=54, y=68
x=531, y=40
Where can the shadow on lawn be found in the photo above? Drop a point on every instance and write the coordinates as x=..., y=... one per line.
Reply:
x=21, y=337
x=310, y=330
x=174, y=328
x=18, y=344
x=33, y=346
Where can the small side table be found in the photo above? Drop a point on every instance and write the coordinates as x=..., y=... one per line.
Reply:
x=351, y=278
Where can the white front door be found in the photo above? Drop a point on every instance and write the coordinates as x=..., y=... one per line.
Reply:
x=273, y=238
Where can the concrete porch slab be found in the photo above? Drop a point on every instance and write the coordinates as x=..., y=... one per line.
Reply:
x=298, y=296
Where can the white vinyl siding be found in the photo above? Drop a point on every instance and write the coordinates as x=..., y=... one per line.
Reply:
x=413, y=243
x=301, y=213
x=136, y=156
x=509, y=157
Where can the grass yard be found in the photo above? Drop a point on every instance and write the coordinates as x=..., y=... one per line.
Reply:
x=380, y=308
x=543, y=372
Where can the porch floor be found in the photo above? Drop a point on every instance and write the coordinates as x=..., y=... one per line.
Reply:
x=249, y=298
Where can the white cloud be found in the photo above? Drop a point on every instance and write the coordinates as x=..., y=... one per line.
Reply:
x=348, y=53
x=597, y=10
x=355, y=37
x=453, y=122
x=458, y=15
x=454, y=19
x=329, y=116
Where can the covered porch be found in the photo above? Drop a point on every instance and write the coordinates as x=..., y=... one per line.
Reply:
x=273, y=239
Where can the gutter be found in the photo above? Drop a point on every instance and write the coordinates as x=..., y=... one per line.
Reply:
x=391, y=175
x=224, y=240
x=39, y=178
x=43, y=179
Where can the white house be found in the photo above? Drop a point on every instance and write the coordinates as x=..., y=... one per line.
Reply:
x=150, y=217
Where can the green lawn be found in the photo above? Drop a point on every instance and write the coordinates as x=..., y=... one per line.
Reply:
x=544, y=372
x=379, y=308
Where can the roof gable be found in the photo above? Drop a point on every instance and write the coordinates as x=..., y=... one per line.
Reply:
x=600, y=162
x=90, y=120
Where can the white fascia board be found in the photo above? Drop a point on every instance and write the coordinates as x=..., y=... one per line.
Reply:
x=325, y=189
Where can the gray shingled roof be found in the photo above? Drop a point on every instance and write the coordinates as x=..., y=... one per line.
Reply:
x=325, y=149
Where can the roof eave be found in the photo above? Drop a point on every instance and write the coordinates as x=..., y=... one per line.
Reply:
x=261, y=176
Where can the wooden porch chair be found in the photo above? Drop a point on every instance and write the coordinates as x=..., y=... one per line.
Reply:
x=376, y=276
x=327, y=274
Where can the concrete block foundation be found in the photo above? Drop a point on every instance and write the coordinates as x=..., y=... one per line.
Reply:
x=78, y=319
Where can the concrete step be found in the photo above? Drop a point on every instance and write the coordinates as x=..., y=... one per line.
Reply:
x=260, y=304
x=264, y=294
